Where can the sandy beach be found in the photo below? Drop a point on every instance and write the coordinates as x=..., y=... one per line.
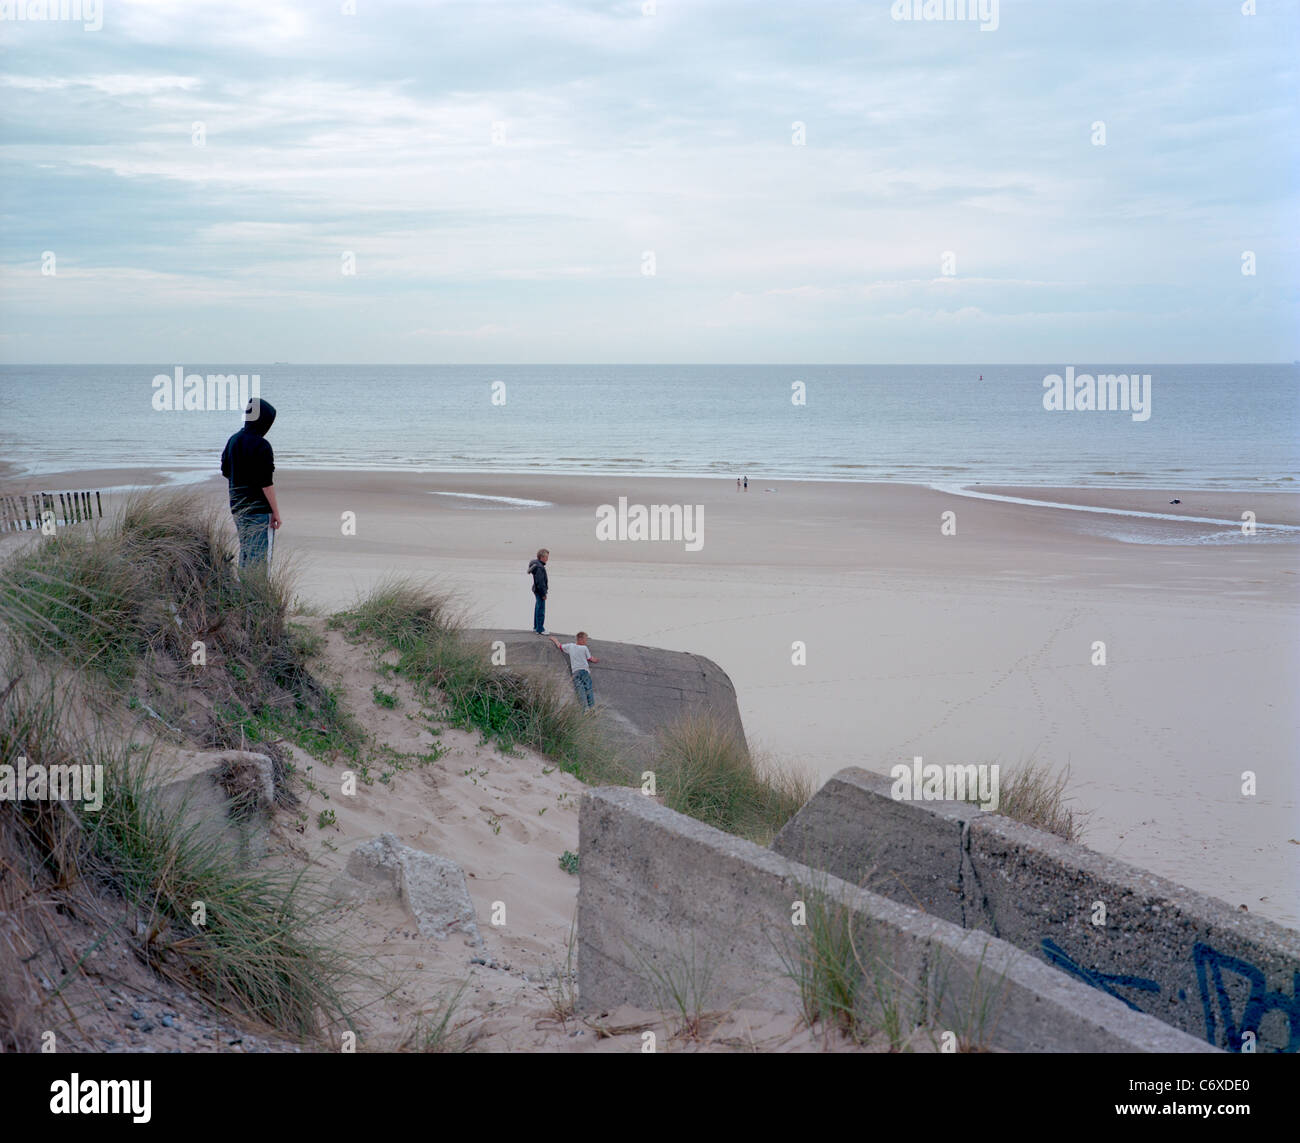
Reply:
x=966, y=647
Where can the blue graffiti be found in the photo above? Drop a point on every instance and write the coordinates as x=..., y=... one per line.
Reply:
x=1102, y=980
x=1214, y=973
x=1210, y=968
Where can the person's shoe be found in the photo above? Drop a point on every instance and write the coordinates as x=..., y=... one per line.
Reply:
x=542, y=632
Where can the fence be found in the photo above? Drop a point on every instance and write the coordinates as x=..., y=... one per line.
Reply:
x=26, y=512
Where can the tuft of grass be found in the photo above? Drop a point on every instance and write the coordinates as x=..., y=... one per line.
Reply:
x=968, y=1004
x=704, y=770
x=434, y=1029
x=561, y=985
x=386, y=699
x=1035, y=795
x=682, y=982
x=824, y=964
x=845, y=981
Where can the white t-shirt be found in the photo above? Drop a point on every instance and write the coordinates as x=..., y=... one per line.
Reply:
x=578, y=654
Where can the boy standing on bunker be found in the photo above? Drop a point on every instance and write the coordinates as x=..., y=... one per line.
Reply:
x=537, y=569
x=247, y=463
x=579, y=656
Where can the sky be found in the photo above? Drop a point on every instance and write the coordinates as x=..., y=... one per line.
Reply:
x=215, y=182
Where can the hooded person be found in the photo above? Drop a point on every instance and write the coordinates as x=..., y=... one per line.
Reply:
x=248, y=464
x=537, y=569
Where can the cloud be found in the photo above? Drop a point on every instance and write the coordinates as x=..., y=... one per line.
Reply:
x=511, y=163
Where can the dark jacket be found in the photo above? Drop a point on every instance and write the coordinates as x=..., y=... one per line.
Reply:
x=248, y=463
x=537, y=570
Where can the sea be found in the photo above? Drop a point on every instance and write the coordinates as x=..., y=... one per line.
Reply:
x=1220, y=427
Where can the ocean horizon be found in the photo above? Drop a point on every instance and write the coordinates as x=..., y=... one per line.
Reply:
x=1208, y=427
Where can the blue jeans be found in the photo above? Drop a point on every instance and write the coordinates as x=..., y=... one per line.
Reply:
x=254, y=530
x=539, y=614
x=582, y=684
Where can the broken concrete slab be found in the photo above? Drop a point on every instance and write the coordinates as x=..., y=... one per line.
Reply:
x=1160, y=948
x=432, y=888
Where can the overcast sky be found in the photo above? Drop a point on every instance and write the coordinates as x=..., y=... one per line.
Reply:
x=499, y=173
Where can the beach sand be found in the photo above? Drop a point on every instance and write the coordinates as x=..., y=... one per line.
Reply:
x=973, y=647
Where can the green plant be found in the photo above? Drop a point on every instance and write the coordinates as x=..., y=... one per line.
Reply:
x=704, y=770
x=325, y=818
x=682, y=982
x=383, y=698
x=968, y=1003
x=569, y=862
x=433, y=1030
x=824, y=963
x=1034, y=794
x=561, y=985
x=845, y=974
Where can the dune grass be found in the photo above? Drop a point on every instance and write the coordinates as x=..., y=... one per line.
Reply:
x=1033, y=793
x=704, y=770
x=846, y=980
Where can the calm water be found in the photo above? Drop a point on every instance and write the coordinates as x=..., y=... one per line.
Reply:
x=1211, y=426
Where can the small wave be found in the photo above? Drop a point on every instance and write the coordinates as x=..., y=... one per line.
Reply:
x=503, y=501
x=961, y=490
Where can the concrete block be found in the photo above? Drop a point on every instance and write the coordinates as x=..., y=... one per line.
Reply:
x=661, y=893
x=1159, y=948
x=432, y=888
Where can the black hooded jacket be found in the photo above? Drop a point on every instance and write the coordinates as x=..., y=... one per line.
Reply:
x=537, y=570
x=248, y=463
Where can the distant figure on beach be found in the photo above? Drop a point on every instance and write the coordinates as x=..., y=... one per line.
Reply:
x=738, y=484
x=537, y=569
x=747, y=484
x=248, y=464
x=579, y=657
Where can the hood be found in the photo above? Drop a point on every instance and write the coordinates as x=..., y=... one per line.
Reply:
x=534, y=564
x=265, y=418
